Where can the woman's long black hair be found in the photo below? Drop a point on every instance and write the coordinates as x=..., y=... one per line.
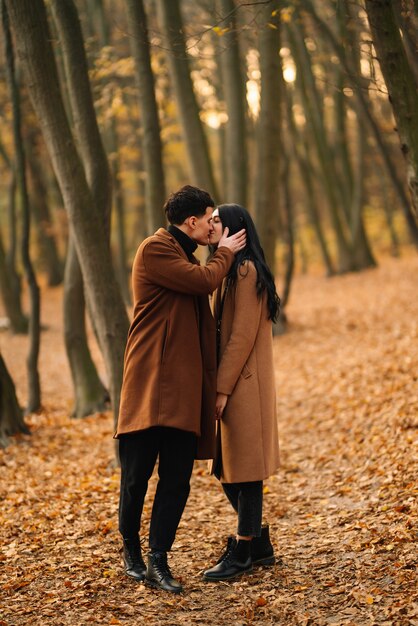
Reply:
x=235, y=217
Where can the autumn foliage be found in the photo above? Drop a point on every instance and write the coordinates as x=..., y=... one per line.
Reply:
x=342, y=508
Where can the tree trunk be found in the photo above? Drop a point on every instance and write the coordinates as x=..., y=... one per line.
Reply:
x=34, y=388
x=364, y=107
x=106, y=305
x=10, y=281
x=90, y=395
x=40, y=207
x=197, y=149
x=119, y=207
x=406, y=12
x=111, y=142
x=280, y=327
x=11, y=415
x=151, y=132
x=233, y=87
x=362, y=252
x=12, y=306
x=267, y=187
x=301, y=150
x=401, y=84
x=387, y=202
x=89, y=392
x=313, y=110
x=87, y=132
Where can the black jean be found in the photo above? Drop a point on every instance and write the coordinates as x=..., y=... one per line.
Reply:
x=247, y=500
x=138, y=454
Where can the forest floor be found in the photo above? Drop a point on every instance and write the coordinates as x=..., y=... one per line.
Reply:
x=342, y=509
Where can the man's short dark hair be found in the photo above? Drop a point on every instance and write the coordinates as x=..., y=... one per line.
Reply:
x=186, y=202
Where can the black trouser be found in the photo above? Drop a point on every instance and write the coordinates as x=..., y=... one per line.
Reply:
x=138, y=453
x=247, y=500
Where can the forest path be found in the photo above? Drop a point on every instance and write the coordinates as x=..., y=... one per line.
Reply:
x=342, y=508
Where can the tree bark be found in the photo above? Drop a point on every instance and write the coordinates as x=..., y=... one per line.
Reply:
x=30, y=26
x=301, y=151
x=364, y=107
x=48, y=251
x=362, y=252
x=11, y=415
x=12, y=306
x=406, y=12
x=267, y=187
x=233, y=87
x=119, y=208
x=89, y=141
x=10, y=280
x=89, y=392
x=111, y=142
x=313, y=111
x=401, y=84
x=200, y=166
x=151, y=133
x=34, y=387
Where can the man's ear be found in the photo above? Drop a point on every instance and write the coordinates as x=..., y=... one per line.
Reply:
x=192, y=221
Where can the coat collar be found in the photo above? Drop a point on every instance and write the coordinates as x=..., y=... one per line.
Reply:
x=166, y=234
x=188, y=245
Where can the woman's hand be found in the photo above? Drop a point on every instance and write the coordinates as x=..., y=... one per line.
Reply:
x=221, y=400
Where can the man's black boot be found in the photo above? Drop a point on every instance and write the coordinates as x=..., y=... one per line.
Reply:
x=234, y=562
x=132, y=558
x=262, y=552
x=159, y=575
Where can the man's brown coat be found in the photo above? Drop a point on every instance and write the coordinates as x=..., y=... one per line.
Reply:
x=170, y=362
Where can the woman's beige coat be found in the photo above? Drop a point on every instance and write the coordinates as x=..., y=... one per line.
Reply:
x=170, y=359
x=247, y=433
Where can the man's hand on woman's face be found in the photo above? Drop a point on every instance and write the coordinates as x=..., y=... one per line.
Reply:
x=235, y=242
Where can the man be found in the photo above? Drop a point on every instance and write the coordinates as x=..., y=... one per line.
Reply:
x=168, y=395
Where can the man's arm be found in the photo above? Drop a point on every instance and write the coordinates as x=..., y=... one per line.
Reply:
x=167, y=268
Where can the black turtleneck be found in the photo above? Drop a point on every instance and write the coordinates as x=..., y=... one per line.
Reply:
x=188, y=245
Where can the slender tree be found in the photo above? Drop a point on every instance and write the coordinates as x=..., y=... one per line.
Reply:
x=90, y=394
x=34, y=388
x=12, y=221
x=48, y=251
x=30, y=26
x=364, y=109
x=314, y=111
x=10, y=280
x=267, y=177
x=233, y=87
x=151, y=132
x=11, y=415
x=200, y=166
x=112, y=145
x=301, y=151
x=17, y=320
x=401, y=83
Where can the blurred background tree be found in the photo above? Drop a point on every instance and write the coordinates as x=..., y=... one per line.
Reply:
x=281, y=106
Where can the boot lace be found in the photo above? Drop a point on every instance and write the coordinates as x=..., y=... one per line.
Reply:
x=161, y=566
x=226, y=556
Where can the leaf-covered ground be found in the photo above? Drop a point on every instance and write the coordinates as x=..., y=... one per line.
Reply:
x=342, y=509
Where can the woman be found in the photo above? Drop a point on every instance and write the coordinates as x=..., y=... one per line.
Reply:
x=245, y=306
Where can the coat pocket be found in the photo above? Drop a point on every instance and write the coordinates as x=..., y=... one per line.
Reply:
x=246, y=372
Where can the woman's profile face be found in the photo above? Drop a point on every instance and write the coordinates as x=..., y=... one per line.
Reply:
x=217, y=228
